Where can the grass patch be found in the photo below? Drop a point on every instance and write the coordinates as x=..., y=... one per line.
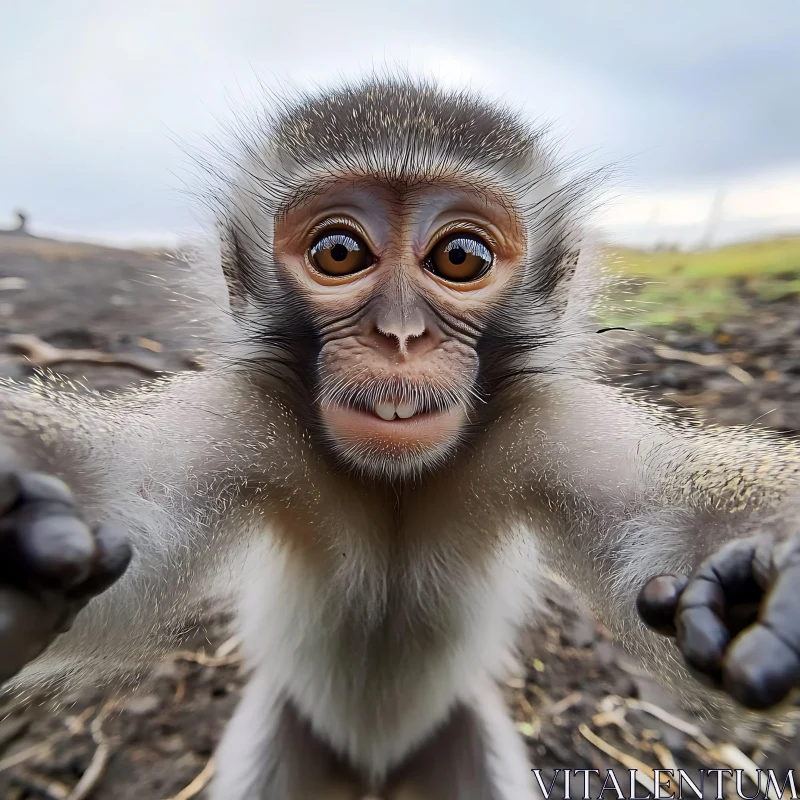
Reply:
x=702, y=289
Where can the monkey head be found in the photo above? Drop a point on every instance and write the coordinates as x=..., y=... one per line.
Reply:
x=398, y=252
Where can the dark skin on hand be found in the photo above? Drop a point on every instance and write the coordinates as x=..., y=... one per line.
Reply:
x=736, y=627
x=51, y=565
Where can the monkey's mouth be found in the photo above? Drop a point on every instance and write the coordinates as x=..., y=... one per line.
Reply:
x=385, y=421
x=393, y=428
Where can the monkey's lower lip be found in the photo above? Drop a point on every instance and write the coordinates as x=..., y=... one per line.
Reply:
x=355, y=426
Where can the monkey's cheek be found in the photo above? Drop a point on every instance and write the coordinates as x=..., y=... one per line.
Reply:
x=365, y=433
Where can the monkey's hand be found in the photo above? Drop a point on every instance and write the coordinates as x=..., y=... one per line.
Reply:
x=736, y=620
x=51, y=564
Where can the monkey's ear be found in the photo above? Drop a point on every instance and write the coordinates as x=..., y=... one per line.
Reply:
x=569, y=263
x=556, y=278
x=234, y=264
x=563, y=263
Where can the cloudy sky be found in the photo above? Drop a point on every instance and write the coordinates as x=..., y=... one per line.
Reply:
x=692, y=100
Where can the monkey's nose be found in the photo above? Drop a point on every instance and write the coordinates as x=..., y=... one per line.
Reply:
x=403, y=333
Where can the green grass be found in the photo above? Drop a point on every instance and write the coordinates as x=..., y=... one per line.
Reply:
x=701, y=289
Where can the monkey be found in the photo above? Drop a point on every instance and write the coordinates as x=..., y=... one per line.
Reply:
x=402, y=434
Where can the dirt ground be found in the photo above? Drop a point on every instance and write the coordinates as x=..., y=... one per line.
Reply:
x=578, y=701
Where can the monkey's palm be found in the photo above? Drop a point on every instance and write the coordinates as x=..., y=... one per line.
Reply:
x=51, y=564
x=737, y=619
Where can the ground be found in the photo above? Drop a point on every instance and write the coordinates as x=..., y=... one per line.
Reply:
x=722, y=339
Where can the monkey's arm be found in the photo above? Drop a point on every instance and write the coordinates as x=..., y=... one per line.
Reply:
x=145, y=474
x=630, y=494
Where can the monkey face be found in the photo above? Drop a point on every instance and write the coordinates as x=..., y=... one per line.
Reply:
x=398, y=283
x=400, y=258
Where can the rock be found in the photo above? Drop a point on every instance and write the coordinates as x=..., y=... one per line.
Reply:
x=580, y=634
x=143, y=705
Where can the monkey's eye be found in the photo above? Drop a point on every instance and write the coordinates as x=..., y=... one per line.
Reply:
x=461, y=257
x=340, y=253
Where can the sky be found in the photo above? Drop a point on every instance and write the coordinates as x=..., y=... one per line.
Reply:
x=696, y=104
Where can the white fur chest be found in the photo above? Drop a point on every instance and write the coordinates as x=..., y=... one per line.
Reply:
x=389, y=646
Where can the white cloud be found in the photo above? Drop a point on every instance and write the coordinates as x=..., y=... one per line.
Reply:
x=95, y=93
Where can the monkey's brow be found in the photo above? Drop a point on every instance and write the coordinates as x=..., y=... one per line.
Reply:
x=302, y=193
x=475, y=183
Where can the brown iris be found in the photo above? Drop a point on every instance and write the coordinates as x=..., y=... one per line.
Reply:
x=340, y=253
x=460, y=258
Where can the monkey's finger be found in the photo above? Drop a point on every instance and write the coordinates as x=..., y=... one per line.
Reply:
x=38, y=487
x=32, y=493
x=25, y=630
x=760, y=669
x=35, y=493
x=763, y=664
x=723, y=579
x=9, y=483
x=9, y=492
x=702, y=638
x=657, y=602
x=112, y=557
x=58, y=549
x=732, y=568
x=114, y=554
x=741, y=616
x=772, y=557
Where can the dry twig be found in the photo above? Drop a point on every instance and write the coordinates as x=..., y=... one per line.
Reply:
x=712, y=360
x=56, y=790
x=565, y=703
x=611, y=711
x=228, y=647
x=78, y=724
x=732, y=756
x=41, y=354
x=679, y=724
x=628, y=761
x=94, y=772
x=204, y=660
x=198, y=784
x=664, y=755
x=180, y=692
x=20, y=757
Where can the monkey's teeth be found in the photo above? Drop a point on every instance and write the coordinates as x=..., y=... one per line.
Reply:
x=388, y=411
x=385, y=411
x=406, y=410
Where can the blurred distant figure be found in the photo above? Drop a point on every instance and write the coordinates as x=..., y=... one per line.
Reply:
x=20, y=229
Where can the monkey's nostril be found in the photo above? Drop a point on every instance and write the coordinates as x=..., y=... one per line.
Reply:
x=401, y=336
